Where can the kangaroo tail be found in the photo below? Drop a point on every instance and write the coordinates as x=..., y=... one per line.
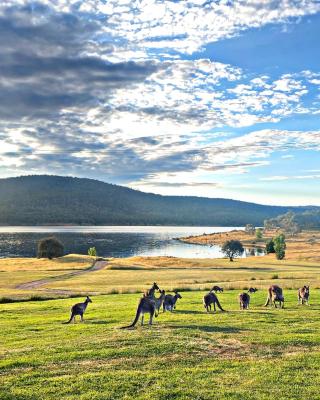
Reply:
x=136, y=318
x=219, y=305
x=68, y=322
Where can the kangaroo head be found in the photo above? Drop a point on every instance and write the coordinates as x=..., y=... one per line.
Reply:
x=155, y=286
x=88, y=300
x=178, y=295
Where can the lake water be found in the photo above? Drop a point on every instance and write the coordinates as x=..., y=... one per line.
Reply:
x=111, y=241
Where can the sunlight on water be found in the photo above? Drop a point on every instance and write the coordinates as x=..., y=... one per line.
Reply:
x=112, y=241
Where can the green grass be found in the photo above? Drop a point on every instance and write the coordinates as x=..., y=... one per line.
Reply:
x=261, y=354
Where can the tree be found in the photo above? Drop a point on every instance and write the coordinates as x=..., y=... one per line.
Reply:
x=286, y=222
x=280, y=246
x=50, y=247
x=92, y=252
x=232, y=248
x=259, y=233
x=270, y=246
x=249, y=229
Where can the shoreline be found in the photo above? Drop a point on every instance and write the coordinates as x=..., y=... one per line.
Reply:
x=218, y=238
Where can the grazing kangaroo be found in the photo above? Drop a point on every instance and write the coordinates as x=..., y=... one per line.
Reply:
x=217, y=289
x=170, y=301
x=303, y=295
x=79, y=309
x=244, y=300
x=209, y=299
x=252, y=290
x=146, y=305
x=150, y=292
x=159, y=301
x=275, y=295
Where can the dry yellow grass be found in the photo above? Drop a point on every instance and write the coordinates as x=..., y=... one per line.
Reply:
x=126, y=275
x=69, y=262
x=16, y=271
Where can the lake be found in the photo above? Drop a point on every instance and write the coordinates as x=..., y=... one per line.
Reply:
x=111, y=241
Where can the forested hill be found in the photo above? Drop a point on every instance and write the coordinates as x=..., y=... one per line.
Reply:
x=41, y=199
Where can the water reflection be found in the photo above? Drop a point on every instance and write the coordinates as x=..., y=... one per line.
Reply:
x=113, y=241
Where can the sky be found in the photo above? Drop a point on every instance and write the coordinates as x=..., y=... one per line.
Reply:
x=203, y=98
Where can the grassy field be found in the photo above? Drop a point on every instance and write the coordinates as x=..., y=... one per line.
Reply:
x=16, y=271
x=263, y=353
x=132, y=275
x=257, y=354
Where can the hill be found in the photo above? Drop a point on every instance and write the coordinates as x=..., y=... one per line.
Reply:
x=43, y=199
x=295, y=221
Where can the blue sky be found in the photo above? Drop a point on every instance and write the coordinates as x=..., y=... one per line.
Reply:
x=205, y=98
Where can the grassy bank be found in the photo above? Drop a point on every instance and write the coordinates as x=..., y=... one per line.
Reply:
x=261, y=353
x=135, y=274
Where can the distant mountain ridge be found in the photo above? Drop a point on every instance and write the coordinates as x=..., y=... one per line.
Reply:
x=47, y=199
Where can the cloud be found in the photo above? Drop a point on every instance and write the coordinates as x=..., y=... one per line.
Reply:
x=289, y=156
x=48, y=64
x=286, y=178
x=184, y=26
x=102, y=89
x=178, y=184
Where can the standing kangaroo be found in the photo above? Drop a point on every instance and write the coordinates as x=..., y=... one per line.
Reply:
x=146, y=305
x=275, y=295
x=209, y=299
x=170, y=301
x=150, y=292
x=79, y=309
x=217, y=289
x=159, y=301
x=303, y=295
x=244, y=300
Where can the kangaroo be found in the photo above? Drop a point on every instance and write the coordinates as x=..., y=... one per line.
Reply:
x=146, y=306
x=303, y=295
x=252, y=290
x=79, y=309
x=244, y=300
x=209, y=299
x=217, y=289
x=275, y=295
x=159, y=301
x=170, y=301
x=150, y=292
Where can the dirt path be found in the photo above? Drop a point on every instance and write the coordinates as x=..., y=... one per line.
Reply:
x=97, y=266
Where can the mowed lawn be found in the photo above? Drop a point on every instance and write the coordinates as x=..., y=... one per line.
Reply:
x=262, y=353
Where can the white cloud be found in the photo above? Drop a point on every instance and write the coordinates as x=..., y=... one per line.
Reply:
x=291, y=177
x=145, y=26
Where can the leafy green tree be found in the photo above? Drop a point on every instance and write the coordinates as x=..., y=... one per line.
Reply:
x=232, y=249
x=259, y=233
x=280, y=246
x=50, y=247
x=270, y=246
x=92, y=252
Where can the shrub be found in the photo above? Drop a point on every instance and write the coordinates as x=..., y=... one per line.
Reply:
x=280, y=246
x=276, y=276
x=92, y=252
x=50, y=248
x=259, y=233
x=270, y=247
